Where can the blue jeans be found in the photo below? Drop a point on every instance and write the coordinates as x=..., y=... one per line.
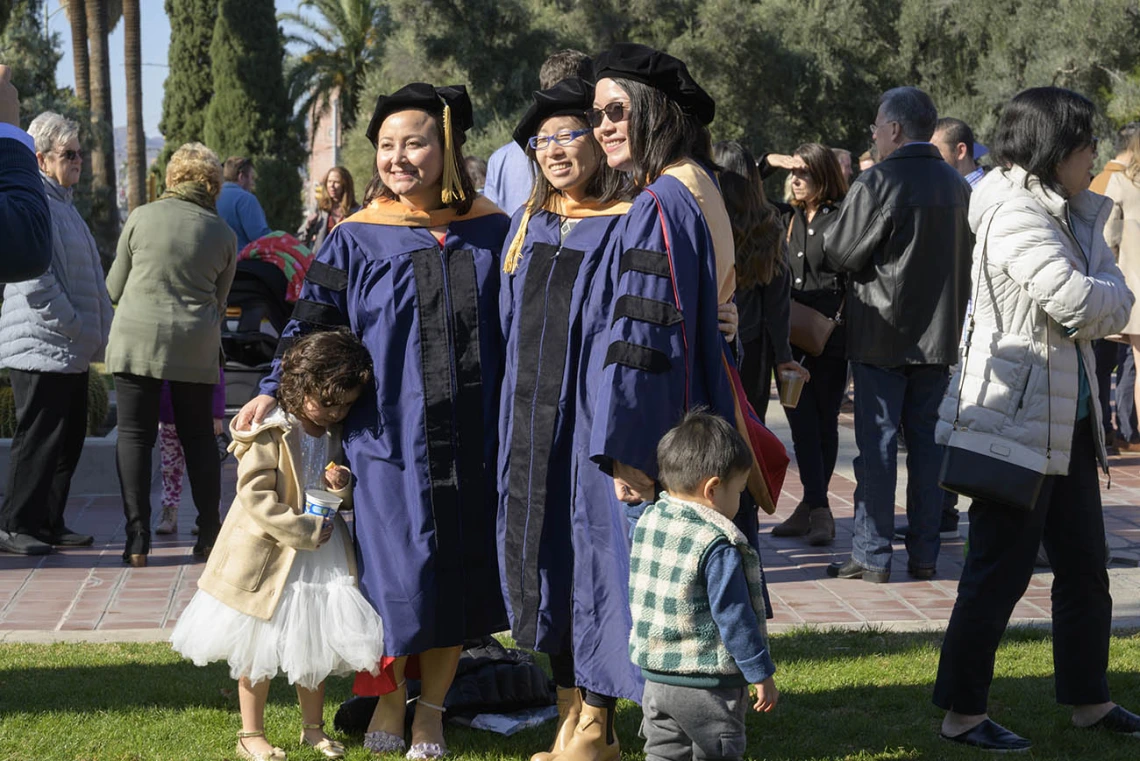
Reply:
x=884, y=398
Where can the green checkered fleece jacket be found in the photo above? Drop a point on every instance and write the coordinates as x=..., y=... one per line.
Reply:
x=673, y=628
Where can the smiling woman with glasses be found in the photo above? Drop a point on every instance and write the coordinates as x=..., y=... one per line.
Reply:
x=555, y=506
x=51, y=329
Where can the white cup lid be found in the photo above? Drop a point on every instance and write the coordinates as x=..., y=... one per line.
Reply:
x=323, y=498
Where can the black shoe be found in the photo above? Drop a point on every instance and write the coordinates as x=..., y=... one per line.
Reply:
x=919, y=572
x=65, y=537
x=989, y=735
x=852, y=570
x=1120, y=721
x=201, y=554
x=22, y=544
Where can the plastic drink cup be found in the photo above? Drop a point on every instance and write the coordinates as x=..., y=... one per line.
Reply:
x=322, y=503
x=791, y=385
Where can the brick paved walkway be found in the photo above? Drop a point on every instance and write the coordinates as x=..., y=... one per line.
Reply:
x=89, y=594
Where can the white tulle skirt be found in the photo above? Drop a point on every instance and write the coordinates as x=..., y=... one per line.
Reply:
x=322, y=626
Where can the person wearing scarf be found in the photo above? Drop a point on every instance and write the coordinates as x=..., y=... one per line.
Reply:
x=170, y=280
x=415, y=275
x=563, y=538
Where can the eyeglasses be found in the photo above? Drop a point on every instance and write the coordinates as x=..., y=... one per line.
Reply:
x=70, y=155
x=542, y=142
x=615, y=112
x=875, y=127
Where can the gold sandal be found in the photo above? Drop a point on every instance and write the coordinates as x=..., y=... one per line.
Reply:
x=327, y=747
x=274, y=754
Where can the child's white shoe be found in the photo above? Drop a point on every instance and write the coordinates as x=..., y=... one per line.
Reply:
x=327, y=747
x=169, y=522
x=274, y=754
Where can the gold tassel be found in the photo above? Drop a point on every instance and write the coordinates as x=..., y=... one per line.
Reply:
x=514, y=253
x=452, y=187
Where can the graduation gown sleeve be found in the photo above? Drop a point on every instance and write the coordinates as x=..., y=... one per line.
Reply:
x=664, y=352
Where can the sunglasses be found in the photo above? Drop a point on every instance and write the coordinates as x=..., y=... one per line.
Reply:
x=71, y=155
x=615, y=112
x=542, y=142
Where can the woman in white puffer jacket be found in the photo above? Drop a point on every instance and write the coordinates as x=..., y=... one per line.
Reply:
x=1049, y=286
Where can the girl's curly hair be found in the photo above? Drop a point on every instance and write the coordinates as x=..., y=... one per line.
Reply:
x=324, y=366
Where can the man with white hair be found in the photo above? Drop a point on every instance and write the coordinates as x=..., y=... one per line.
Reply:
x=904, y=238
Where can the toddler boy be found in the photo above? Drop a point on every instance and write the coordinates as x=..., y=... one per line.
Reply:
x=695, y=590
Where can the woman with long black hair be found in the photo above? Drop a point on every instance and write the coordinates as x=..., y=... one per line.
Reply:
x=671, y=268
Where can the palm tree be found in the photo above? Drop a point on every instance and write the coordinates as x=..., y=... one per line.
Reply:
x=105, y=207
x=341, y=45
x=77, y=16
x=136, y=139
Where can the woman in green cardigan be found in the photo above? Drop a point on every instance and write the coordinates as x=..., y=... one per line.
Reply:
x=171, y=276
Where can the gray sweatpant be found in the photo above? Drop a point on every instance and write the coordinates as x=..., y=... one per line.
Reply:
x=693, y=723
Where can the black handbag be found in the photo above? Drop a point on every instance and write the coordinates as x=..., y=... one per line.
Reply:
x=985, y=475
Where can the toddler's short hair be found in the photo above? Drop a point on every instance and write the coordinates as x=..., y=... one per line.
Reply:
x=326, y=366
x=698, y=448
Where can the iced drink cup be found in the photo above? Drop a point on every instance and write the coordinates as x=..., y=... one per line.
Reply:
x=791, y=384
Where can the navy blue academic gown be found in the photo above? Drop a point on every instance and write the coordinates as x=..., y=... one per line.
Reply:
x=563, y=536
x=665, y=354
x=422, y=443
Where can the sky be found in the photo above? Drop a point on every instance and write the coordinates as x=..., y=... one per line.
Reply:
x=155, y=29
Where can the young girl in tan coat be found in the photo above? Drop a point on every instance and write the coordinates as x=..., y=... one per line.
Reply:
x=279, y=593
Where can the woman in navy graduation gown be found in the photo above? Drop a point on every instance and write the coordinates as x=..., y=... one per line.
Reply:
x=563, y=548
x=415, y=274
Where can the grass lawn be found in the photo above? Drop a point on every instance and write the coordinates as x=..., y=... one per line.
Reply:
x=862, y=695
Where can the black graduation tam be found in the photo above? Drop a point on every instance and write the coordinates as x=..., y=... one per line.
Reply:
x=640, y=63
x=427, y=98
x=570, y=97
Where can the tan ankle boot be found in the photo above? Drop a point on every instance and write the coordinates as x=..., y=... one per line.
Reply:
x=589, y=742
x=797, y=524
x=569, y=711
x=822, y=527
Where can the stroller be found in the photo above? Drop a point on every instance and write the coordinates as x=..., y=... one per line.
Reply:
x=267, y=282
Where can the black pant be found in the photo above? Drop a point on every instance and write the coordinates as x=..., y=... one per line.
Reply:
x=756, y=367
x=51, y=424
x=999, y=564
x=815, y=425
x=138, y=402
x=1106, y=353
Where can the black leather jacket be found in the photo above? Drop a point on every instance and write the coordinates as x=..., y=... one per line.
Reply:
x=904, y=238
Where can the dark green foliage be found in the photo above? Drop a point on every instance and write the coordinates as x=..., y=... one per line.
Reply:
x=250, y=113
x=186, y=94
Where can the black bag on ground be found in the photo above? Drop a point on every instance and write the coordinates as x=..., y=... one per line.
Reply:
x=490, y=679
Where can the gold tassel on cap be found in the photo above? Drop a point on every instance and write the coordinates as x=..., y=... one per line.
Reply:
x=452, y=187
x=514, y=253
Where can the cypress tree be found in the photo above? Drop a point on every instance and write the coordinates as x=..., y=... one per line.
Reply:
x=189, y=84
x=250, y=112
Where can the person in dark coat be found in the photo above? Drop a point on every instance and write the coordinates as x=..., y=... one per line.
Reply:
x=763, y=292
x=903, y=238
x=24, y=215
